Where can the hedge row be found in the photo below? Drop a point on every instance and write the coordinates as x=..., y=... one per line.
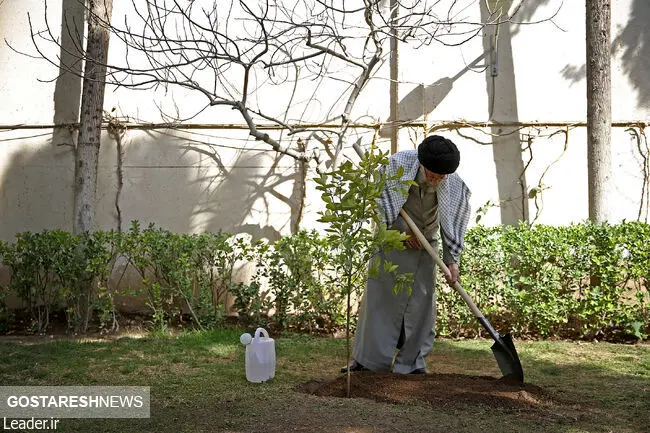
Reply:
x=579, y=281
x=182, y=277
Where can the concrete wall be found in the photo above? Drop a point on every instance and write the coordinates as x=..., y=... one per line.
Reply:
x=209, y=180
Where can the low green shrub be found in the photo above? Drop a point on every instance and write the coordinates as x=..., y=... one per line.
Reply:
x=299, y=272
x=82, y=265
x=6, y=316
x=294, y=286
x=31, y=259
x=250, y=300
x=183, y=273
x=54, y=269
x=579, y=281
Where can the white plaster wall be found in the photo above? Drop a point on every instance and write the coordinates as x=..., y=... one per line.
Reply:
x=210, y=180
x=24, y=98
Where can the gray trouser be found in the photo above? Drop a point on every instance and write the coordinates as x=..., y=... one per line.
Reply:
x=382, y=315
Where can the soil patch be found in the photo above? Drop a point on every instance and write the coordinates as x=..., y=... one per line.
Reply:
x=438, y=390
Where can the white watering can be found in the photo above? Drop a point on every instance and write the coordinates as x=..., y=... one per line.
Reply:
x=260, y=356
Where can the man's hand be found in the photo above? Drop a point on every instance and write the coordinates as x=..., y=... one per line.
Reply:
x=453, y=274
x=413, y=242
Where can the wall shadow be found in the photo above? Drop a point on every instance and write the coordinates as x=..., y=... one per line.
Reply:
x=38, y=182
x=187, y=185
x=634, y=43
x=232, y=191
x=257, y=192
x=174, y=183
x=36, y=186
x=526, y=12
x=67, y=90
x=574, y=74
x=500, y=79
x=181, y=186
x=423, y=100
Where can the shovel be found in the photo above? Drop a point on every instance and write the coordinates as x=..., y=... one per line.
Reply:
x=503, y=347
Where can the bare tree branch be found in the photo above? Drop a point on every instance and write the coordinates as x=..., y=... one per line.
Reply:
x=233, y=51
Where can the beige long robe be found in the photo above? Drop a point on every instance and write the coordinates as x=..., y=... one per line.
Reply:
x=383, y=315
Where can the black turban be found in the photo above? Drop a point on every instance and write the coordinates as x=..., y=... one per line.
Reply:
x=439, y=155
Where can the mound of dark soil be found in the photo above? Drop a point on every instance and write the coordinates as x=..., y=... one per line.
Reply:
x=437, y=390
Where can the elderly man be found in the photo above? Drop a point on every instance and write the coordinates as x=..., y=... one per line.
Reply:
x=401, y=322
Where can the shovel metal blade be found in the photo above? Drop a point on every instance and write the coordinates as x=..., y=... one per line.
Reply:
x=507, y=358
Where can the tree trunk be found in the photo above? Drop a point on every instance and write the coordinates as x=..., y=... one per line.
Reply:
x=599, y=107
x=87, y=152
x=92, y=104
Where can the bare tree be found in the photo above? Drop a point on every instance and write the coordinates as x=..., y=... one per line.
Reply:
x=233, y=51
x=599, y=106
x=92, y=109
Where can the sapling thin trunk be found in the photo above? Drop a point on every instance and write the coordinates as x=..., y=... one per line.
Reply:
x=347, y=330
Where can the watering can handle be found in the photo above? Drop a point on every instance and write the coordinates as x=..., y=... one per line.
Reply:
x=259, y=331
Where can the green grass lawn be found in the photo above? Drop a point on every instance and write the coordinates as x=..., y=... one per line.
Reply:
x=198, y=384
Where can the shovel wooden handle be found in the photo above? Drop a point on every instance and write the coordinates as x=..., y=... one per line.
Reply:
x=456, y=286
x=436, y=258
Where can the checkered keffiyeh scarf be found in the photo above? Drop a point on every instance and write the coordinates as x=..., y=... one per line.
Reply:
x=453, y=200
